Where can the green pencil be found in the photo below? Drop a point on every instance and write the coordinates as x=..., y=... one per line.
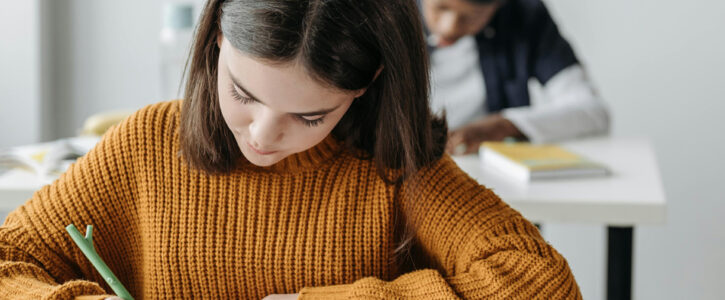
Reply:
x=86, y=245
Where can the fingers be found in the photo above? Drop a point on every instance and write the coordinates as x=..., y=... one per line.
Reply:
x=463, y=141
x=456, y=144
x=471, y=148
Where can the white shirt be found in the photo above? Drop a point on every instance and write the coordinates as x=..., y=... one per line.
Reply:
x=566, y=107
x=457, y=85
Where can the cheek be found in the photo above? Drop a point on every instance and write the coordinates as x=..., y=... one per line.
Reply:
x=234, y=115
x=298, y=138
x=430, y=15
x=301, y=137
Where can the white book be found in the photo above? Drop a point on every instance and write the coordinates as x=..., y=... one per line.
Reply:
x=46, y=160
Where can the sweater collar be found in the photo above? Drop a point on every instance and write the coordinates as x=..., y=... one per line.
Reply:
x=313, y=158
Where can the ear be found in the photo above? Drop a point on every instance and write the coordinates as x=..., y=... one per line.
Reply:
x=377, y=73
x=362, y=91
x=219, y=39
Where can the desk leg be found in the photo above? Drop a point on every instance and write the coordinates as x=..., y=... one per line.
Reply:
x=619, y=263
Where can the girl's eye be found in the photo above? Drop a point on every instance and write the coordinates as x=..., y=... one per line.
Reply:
x=239, y=97
x=311, y=123
x=247, y=100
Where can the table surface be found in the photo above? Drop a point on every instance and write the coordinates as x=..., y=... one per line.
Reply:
x=631, y=195
x=16, y=187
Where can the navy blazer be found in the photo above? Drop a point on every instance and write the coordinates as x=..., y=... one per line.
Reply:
x=520, y=42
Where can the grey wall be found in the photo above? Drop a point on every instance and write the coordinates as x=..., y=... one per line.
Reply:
x=106, y=55
x=77, y=58
x=657, y=63
x=20, y=73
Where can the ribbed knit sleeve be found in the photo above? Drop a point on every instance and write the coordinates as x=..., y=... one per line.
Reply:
x=38, y=259
x=480, y=247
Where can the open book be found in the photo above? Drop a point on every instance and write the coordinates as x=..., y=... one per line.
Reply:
x=526, y=161
x=46, y=160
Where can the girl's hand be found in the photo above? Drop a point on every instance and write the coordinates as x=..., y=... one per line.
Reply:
x=281, y=297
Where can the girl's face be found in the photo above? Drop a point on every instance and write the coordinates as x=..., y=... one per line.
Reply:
x=450, y=20
x=275, y=110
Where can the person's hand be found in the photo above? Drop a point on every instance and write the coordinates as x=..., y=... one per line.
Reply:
x=467, y=139
x=281, y=297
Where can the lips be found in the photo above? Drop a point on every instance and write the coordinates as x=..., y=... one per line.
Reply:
x=260, y=152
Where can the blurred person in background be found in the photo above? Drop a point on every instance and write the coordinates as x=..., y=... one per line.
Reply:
x=483, y=54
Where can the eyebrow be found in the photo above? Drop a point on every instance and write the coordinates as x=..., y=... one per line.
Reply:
x=303, y=114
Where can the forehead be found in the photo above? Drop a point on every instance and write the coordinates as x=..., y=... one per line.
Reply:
x=287, y=84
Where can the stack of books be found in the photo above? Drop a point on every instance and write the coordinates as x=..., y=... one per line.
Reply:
x=46, y=161
x=526, y=162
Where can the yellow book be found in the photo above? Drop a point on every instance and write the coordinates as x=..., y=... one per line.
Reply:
x=526, y=161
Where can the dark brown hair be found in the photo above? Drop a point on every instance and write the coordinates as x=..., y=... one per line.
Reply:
x=341, y=43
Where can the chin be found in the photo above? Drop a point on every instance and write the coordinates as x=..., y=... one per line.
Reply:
x=258, y=159
x=261, y=162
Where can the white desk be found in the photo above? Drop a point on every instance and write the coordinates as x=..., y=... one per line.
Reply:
x=632, y=195
x=16, y=187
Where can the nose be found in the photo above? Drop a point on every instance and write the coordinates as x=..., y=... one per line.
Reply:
x=265, y=130
x=449, y=25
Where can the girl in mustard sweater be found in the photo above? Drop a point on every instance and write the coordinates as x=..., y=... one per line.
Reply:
x=303, y=163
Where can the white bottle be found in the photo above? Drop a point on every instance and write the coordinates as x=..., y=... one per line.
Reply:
x=176, y=36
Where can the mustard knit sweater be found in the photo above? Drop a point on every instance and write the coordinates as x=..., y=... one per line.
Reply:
x=319, y=223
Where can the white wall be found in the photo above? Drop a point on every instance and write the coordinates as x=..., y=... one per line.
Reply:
x=106, y=58
x=20, y=73
x=659, y=64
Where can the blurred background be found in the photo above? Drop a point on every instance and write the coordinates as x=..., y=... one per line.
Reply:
x=658, y=64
